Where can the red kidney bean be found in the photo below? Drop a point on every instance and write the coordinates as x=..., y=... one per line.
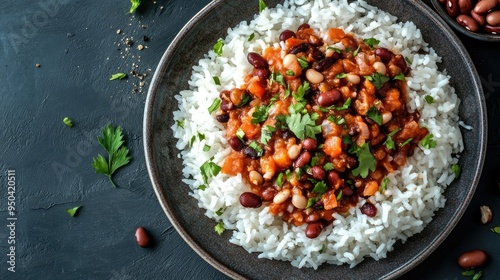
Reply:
x=302, y=160
x=492, y=29
x=313, y=230
x=400, y=62
x=465, y=6
x=223, y=118
x=493, y=18
x=314, y=217
x=384, y=54
x=480, y=19
x=268, y=194
x=329, y=98
x=236, y=143
x=472, y=259
x=333, y=178
x=324, y=64
x=452, y=8
x=249, y=152
x=369, y=209
x=309, y=144
x=286, y=34
x=318, y=173
x=263, y=74
x=468, y=22
x=224, y=94
x=484, y=6
x=226, y=105
x=347, y=191
x=303, y=26
x=142, y=237
x=299, y=48
x=257, y=60
x=318, y=55
x=250, y=200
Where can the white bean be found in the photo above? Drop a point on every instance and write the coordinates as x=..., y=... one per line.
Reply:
x=314, y=76
x=281, y=196
x=299, y=201
x=386, y=117
x=289, y=59
x=380, y=67
x=255, y=177
x=294, y=152
x=353, y=79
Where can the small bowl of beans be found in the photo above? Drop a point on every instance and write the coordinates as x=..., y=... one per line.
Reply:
x=478, y=19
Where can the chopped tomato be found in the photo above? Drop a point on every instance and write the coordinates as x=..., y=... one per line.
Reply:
x=329, y=200
x=256, y=88
x=336, y=34
x=233, y=164
x=333, y=146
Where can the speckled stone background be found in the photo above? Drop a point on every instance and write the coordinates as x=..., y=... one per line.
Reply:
x=78, y=48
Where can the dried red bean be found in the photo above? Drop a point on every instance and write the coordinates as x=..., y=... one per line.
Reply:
x=263, y=74
x=302, y=160
x=484, y=6
x=236, y=143
x=318, y=173
x=314, y=217
x=326, y=99
x=472, y=259
x=250, y=200
x=313, y=230
x=492, y=29
x=286, y=34
x=493, y=18
x=309, y=144
x=142, y=237
x=369, y=209
x=268, y=194
x=465, y=6
x=452, y=8
x=299, y=48
x=226, y=105
x=384, y=54
x=303, y=26
x=480, y=19
x=347, y=191
x=468, y=22
x=324, y=64
x=333, y=178
x=257, y=60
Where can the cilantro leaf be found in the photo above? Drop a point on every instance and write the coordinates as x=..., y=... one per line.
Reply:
x=477, y=275
x=328, y=166
x=323, y=247
x=355, y=53
x=311, y=201
x=338, y=120
x=209, y=170
x=72, y=211
x=254, y=145
x=266, y=133
x=219, y=212
x=429, y=99
x=215, y=105
x=303, y=62
x=244, y=100
x=216, y=80
x=112, y=141
x=408, y=60
x=383, y=185
x=374, y=115
x=334, y=49
x=290, y=73
x=341, y=75
x=389, y=143
x=251, y=37
x=400, y=77
x=320, y=187
x=496, y=230
x=406, y=142
x=67, y=122
x=261, y=113
x=202, y=187
x=428, y=142
x=134, y=5
x=346, y=105
x=219, y=228
x=377, y=79
x=302, y=126
x=372, y=42
x=262, y=6
x=339, y=196
x=240, y=134
x=366, y=161
x=180, y=123
x=279, y=180
x=206, y=148
x=218, y=47
x=455, y=168
x=118, y=76
x=301, y=92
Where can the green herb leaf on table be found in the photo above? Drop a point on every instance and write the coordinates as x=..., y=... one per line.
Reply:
x=374, y=115
x=134, y=5
x=428, y=142
x=496, y=230
x=262, y=6
x=389, y=143
x=429, y=99
x=477, y=275
x=208, y=170
x=112, y=141
x=118, y=76
x=215, y=105
x=372, y=42
x=377, y=79
x=219, y=228
x=218, y=47
x=469, y=272
x=67, y=122
x=366, y=161
x=72, y=211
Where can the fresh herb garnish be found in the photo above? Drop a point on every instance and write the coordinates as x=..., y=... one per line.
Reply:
x=266, y=133
x=290, y=73
x=206, y=148
x=347, y=139
x=134, y=5
x=219, y=228
x=429, y=99
x=112, y=141
x=180, y=123
x=302, y=126
x=301, y=92
x=383, y=185
x=320, y=187
x=346, y=105
x=496, y=230
x=406, y=142
x=262, y=6
x=296, y=108
x=455, y=168
x=219, y=212
x=118, y=76
x=366, y=161
x=328, y=166
x=208, y=170
x=218, y=47
x=311, y=201
x=254, y=145
x=355, y=53
x=67, y=122
x=428, y=142
x=260, y=114
x=279, y=180
x=323, y=247
x=215, y=105
x=377, y=79
x=201, y=136
x=240, y=134
x=72, y=211
x=251, y=37
x=477, y=275
x=339, y=196
x=303, y=62
x=389, y=143
x=338, y=120
x=202, y=187
x=374, y=115
x=216, y=80
x=341, y=75
x=191, y=142
x=244, y=100
x=408, y=60
x=400, y=77
x=372, y=42
x=334, y=49
x=469, y=272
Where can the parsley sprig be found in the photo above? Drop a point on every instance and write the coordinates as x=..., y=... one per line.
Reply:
x=366, y=161
x=112, y=141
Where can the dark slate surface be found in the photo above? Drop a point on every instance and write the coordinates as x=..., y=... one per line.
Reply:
x=77, y=46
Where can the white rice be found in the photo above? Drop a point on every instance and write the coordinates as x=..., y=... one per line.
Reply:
x=414, y=192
